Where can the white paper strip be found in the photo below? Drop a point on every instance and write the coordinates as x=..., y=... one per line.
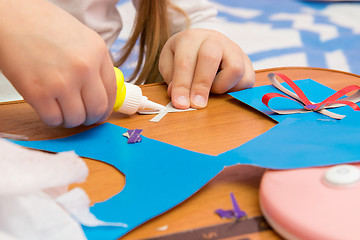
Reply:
x=160, y=114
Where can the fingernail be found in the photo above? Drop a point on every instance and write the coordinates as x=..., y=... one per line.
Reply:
x=183, y=101
x=199, y=101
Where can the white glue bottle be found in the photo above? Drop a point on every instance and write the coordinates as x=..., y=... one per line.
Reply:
x=129, y=98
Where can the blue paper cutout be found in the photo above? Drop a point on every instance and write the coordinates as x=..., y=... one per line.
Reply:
x=159, y=176
x=298, y=143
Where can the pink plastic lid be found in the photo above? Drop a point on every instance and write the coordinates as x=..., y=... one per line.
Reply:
x=313, y=203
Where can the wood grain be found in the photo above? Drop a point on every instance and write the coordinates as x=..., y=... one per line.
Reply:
x=225, y=124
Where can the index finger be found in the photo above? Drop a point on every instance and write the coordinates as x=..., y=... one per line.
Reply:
x=185, y=58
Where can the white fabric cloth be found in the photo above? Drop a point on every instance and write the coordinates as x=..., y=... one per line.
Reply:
x=35, y=203
x=30, y=182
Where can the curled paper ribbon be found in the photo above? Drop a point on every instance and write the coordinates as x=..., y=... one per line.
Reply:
x=298, y=95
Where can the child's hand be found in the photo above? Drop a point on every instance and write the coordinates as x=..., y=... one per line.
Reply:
x=197, y=61
x=60, y=67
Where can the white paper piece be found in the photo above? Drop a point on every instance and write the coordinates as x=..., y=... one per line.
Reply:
x=77, y=203
x=7, y=91
x=160, y=114
x=13, y=136
x=163, y=228
x=33, y=187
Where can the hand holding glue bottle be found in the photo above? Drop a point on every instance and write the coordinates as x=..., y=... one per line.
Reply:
x=129, y=98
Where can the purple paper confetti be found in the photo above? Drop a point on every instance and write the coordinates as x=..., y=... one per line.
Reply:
x=134, y=135
x=236, y=212
x=228, y=214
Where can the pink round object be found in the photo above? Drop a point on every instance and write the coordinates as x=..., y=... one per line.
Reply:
x=304, y=204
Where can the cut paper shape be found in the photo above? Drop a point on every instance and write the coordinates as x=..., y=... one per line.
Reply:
x=298, y=96
x=133, y=135
x=298, y=143
x=162, y=175
x=314, y=91
x=235, y=213
x=169, y=108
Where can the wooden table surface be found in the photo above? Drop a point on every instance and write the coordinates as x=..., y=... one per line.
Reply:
x=225, y=124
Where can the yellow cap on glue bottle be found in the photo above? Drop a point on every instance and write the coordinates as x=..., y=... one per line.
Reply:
x=129, y=98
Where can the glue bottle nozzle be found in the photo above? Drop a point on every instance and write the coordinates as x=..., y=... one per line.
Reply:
x=150, y=105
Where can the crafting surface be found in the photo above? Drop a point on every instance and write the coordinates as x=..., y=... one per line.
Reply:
x=168, y=175
x=221, y=119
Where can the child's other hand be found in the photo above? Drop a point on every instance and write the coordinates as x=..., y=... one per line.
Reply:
x=197, y=61
x=61, y=68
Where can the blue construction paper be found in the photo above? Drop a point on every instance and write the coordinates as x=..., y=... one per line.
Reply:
x=299, y=143
x=159, y=176
x=314, y=91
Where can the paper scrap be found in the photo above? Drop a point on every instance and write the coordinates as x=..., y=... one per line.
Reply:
x=133, y=135
x=13, y=136
x=77, y=203
x=235, y=213
x=228, y=214
x=162, y=228
x=7, y=91
x=169, y=108
x=333, y=101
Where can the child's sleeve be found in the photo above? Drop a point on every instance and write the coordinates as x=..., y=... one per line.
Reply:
x=201, y=13
x=100, y=15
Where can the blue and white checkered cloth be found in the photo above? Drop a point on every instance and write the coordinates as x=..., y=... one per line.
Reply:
x=281, y=33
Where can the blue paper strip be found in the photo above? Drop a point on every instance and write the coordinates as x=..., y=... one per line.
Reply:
x=298, y=143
